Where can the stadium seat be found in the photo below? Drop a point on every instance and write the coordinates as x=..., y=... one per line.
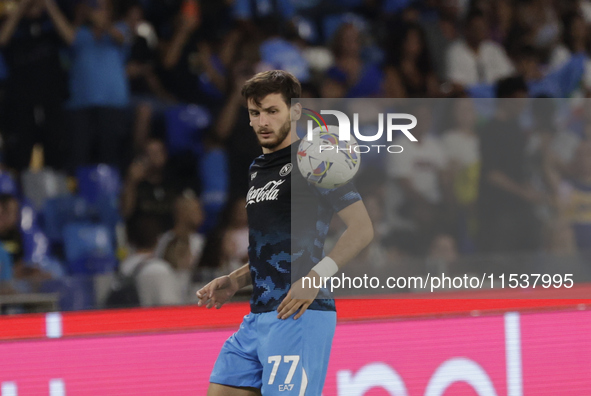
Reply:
x=97, y=181
x=42, y=185
x=184, y=127
x=107, y=209
x=7, y=184
x=36, y=246
x=59, y=211
x=89, y=248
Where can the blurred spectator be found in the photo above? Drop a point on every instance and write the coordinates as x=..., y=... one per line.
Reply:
x=351, y=76
x=575, y=40
x=582, y=6
x=505, y=198
x=477, y=59
x=542, y=161
x=31, y=38
x=443, y=253
x=503, y=16
x=215, y=184
x=156, y=281
x=98, y=86
x=149, y=188
x=567, y=138
x=575, y=196
x=439, y=36
x=409, y=72
x=280, y=51
x=422, y=174
x=149, y=97
x=528, y=64
x=192, y=71
x=233, y=129
x=5, y=273
x=461, y=145
x=183, y=245
x=263, y=11
x=30, y=276
x=227, y=246
x=544, y=23
x=10, y=235
x=6, y=263
x=560, y=238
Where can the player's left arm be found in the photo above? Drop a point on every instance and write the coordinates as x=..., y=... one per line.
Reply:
x=357, y=236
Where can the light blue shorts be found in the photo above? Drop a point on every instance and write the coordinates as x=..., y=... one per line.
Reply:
x=280, y=357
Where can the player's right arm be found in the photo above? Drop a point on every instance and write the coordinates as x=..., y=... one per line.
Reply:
x=220, y=290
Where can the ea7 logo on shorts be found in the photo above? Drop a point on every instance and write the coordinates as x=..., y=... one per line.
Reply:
x=287, y=387
x=286, y=170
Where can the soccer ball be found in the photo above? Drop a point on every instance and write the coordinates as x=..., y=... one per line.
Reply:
x=327, y=161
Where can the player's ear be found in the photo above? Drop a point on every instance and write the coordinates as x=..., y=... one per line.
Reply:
x=296, y=111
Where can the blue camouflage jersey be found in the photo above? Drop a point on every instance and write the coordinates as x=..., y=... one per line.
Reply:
x=288, y=222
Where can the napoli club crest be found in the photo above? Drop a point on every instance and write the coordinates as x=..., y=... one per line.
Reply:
x=286, y=170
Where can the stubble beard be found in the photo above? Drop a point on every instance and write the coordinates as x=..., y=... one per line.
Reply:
x=281, y=136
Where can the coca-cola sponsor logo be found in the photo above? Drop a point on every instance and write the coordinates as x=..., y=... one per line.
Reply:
x=269, y=192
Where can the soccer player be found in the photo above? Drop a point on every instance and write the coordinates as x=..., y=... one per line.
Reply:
x=283, y=345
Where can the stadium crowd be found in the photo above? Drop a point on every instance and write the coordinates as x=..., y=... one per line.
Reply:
x=150, y=90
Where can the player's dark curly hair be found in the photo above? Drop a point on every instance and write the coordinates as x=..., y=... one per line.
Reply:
x=270, y=82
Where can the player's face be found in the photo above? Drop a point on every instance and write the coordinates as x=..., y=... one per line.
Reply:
x=271, y=122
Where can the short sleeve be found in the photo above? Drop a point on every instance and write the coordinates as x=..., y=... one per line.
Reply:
x=83, y=36
x=341, y=197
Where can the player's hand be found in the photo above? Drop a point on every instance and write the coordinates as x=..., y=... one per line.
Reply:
x=299, y=298
x=217, y=292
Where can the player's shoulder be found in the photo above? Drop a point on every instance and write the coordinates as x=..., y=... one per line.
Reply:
x=339, y=197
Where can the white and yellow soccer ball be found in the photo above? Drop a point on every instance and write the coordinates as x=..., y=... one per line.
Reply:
x=326, y=161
